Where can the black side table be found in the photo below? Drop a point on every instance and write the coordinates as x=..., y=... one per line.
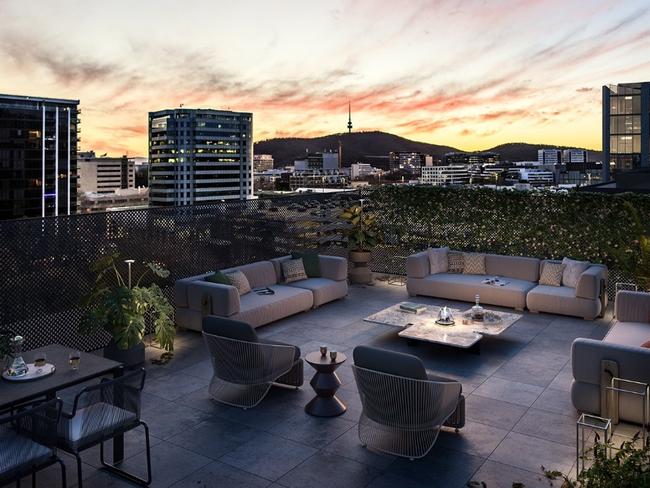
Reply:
x=325, y=383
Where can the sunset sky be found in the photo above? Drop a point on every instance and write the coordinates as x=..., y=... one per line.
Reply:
x=469, y=74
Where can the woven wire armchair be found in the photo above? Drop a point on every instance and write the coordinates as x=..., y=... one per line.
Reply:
x=244, y=371
x=403, y=416
x=102, y=412
x=28, y=442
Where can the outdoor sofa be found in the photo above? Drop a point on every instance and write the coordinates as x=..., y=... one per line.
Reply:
x=196, y=298
x=522, y=289
x=623, y=353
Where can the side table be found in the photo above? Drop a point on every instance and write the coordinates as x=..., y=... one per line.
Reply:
x=325, y=383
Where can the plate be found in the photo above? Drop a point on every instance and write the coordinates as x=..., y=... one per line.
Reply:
x=446, y=323
x=33, y=373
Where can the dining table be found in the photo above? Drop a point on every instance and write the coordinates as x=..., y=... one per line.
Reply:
x=13, y=394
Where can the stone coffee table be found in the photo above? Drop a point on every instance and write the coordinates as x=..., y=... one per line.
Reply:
x=464, y=334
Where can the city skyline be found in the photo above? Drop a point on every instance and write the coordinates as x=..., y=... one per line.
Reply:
x=465, y=74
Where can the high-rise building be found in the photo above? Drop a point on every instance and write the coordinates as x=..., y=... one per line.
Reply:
x=549, y=156
x=408, y=161
x=199, y=156
x=473, y=158
x=38, y=156
x=626, y=127
x=262, y=162
x=574, y=156
x=103, y=174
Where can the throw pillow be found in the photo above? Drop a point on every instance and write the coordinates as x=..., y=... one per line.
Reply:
x=551, y=274
x=293, y=270
x=572, y=271
x=239, y=281
x=438, y=259
x=455, y=262
x=311, y=261
x=219, y=278
x=474, y=263
x=646, y=344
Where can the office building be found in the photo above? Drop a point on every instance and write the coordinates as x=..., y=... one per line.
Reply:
x=361, y=170
x=104, y=174
x=534, y=176
x=549, y=156
x=445, y=175
x=262, y=162
x=120, y=199
x=472, y=158
x=328, y=161
x=626, y=128
x=318, y=179
x=38, y=156
x=199, y=156
x=574, y=156
x=407, y=161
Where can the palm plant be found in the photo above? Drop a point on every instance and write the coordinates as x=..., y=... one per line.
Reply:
x=119, y=308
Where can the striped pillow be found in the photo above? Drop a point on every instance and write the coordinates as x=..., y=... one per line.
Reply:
x=239, y=281
x=474, y=263
x=552, y=274
x=293, y=270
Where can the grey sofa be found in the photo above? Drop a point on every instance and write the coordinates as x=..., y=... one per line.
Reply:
x=621, y=345
x=587, y=300
x=196, y=298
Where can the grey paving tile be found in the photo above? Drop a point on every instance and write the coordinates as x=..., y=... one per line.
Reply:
x=174, y=386
x=266, y=415
x=563, y=379
x=532, y=369
x=134, y=443
x=392, y=480
x=171, y=418
x=498, y=475
x=348, y=445
x=312, y=431
x=531, y=453
x=509, y=391
x=220, y=475
x=475, y=438
x=493, y=412
x=324, y=470
x=557, y=401
x=548, y=425
x=268, y=456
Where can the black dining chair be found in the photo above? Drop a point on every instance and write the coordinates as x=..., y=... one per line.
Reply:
x=28, y=442
x=102, y=412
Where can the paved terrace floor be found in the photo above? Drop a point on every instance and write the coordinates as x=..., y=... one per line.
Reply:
x=519, y=414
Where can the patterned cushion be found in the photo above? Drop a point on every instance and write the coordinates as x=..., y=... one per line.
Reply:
x=438, y=259
x=239, y=281
x=455, y=262
x=572, y=271
x=551, y=274
x=474, y=263
x=293, y=270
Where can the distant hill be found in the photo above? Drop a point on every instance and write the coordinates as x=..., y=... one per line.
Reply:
x=373, y=148
x=364, y=147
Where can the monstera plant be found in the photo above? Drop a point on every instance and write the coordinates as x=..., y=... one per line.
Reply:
x=121, y=308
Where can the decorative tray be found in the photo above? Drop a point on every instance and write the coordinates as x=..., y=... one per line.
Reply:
x=489, y=318
x=33, y=373
x=445, y=322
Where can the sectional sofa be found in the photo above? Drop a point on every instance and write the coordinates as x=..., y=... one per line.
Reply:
x=624, y=355
x=587, y=300
x=195, y=298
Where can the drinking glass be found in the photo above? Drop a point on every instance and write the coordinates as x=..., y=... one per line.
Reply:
x=40, y=359
x=73, y=359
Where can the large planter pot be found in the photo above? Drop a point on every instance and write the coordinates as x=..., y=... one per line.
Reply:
x=128, y=357
x=360, y=273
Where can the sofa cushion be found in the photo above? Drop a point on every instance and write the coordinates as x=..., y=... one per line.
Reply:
x=455, y=262
x=311, y=262
x=259, y=274
x=293, y=270
x=232, y=329
x=323, y=289
x=474, y=263
x=262, y=309
x=628, y=333
x=218, y=277
x=551, y=274
x=561, y=300
x=239, y=280
x=465, y=287
x=572, y=271
x=390, y=362
x=437, y=259
x=518, y=267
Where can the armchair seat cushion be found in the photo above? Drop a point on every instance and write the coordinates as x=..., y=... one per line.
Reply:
x=18, y=451
x=323, y=289
x=628, y=334
x=262, y=309
x=92, y=423
x=561, y=300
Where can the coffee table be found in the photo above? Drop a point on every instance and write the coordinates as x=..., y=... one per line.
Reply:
x=325, y=383
x=463, y=334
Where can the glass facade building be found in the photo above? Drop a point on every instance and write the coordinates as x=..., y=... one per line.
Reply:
x=199, y=155
x=38, y=156
x=626, y=127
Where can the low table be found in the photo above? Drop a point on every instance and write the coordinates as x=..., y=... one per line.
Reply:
x=423, y=326
x=325, y=383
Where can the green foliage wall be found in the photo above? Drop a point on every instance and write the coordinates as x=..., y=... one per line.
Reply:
x=598, y=227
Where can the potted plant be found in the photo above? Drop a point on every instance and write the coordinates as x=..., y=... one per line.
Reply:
x=119, y=308
x=361, y=235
